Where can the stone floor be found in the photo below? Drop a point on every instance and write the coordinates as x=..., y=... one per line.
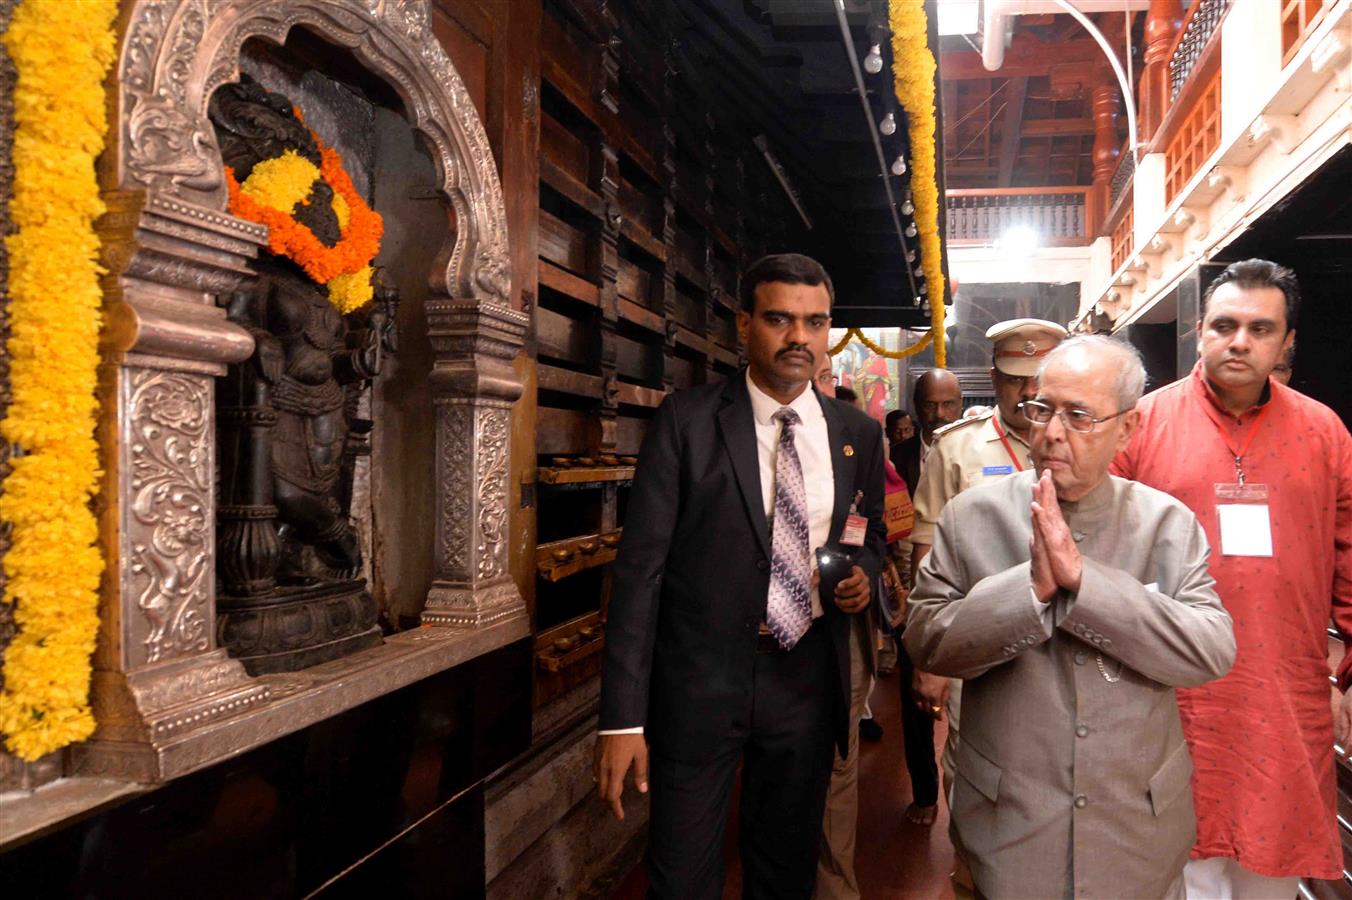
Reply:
x=895, y=859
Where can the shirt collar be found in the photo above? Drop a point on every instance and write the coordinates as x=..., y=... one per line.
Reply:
x=993, y=436
x=763, y=406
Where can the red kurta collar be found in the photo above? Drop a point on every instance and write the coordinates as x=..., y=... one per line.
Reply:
x=1208, y=393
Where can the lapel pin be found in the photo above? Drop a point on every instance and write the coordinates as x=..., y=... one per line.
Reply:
x=849, y=450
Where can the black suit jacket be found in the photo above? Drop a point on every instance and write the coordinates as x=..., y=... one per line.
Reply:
x=692, y=575
x=906, y=460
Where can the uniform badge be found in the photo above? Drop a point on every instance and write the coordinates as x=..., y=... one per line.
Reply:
x=1029, y=348
x=849, y=450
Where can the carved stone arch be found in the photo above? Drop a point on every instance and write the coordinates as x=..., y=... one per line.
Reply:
x=176, y=53
x=170, y=247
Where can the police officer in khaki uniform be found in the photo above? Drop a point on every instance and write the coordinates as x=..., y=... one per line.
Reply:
x=969, y=452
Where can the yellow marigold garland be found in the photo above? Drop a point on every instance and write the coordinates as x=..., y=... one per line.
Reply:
x=913, y=68
x=879, y=349
x=62, y=51
x=270, y=195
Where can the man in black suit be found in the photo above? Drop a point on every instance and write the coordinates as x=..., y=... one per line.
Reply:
x=719, y=650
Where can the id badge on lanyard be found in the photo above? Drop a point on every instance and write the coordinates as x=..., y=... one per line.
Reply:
x=1242, y=507
x=1246, y=527
x=856, y=526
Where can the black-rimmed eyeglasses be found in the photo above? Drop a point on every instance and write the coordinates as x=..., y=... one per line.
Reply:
x=1078, y=420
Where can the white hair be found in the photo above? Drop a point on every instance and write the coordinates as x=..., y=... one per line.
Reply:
x=1130, y=368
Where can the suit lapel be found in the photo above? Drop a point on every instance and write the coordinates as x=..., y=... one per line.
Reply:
x=738, y=427
x=840, y=435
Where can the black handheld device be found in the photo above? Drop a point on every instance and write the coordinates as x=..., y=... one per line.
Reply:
x=833, y=567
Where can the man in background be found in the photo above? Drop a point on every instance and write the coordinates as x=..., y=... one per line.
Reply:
x=936, y=401
x=1268, y=472
x=899, y=428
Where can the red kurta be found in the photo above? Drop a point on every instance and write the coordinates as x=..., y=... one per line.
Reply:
x=1262, y=736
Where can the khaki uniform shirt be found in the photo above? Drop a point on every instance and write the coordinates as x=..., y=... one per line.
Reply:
x=966, y=453
x=1073, y=775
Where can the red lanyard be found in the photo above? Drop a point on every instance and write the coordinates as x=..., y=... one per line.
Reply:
x=1235, y=449
x=995, y=420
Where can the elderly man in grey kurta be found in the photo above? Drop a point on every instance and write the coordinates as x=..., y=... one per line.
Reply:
x=1072, y=603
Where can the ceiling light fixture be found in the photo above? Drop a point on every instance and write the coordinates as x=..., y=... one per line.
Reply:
x=873, y=63
x=910, y=230
x=899, y=166
x=866, y=105
x=907, y=207
x=888, y=126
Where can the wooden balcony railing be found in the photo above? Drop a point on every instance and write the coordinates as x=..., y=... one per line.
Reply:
x=1202, y=22
x=1057, y=214
x=1123, y=236
x=1196, y=137
x=1299, y=18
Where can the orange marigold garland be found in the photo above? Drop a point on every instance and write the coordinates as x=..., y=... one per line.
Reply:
x=331, y=266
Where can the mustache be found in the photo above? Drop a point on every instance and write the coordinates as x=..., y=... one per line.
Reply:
x=796, y=348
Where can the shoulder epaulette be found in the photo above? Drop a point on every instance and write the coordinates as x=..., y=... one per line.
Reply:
x=961, y=423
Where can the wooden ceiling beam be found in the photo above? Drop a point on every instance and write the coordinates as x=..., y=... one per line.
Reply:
x=1057, y=127
x=1015, y=93
x=1026, y=57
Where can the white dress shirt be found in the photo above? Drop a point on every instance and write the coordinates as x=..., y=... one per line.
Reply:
x=814, y=453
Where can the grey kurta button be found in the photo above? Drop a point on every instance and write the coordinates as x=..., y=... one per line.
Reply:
x=1081, y=658
x=1078, y=535
x=1081, y=801
x=1082, y=731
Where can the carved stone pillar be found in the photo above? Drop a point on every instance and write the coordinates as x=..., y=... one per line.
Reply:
x=1161, y=27
x=158, y=674
x=474, y=385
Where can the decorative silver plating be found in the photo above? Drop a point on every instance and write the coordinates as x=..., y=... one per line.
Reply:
x=169, y=449
x=164, y=678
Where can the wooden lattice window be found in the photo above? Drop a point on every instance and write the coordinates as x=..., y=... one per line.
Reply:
x=1123, y=242
x=1299, y=17
x=1197, y=138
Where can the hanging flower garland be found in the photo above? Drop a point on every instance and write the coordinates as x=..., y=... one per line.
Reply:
x=858, y=333
x=61, y=51
x=270, y=195
x=913, y=68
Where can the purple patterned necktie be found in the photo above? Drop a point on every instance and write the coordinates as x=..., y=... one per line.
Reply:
x=789, y=611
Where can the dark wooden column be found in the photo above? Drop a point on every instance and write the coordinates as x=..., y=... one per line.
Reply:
x=1161, y=26
x=1107, y=105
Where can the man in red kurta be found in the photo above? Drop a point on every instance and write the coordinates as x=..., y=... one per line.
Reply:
x=1268, y=473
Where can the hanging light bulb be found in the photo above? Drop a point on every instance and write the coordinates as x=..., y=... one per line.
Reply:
x=888, y=125
x=873, y=63
x=918, y=272
x=907, y=207
x=899, y=166
x=910, y=256
x=910, y=230
x=924, y=290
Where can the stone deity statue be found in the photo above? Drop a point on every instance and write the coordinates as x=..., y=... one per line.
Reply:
x=289, y=433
